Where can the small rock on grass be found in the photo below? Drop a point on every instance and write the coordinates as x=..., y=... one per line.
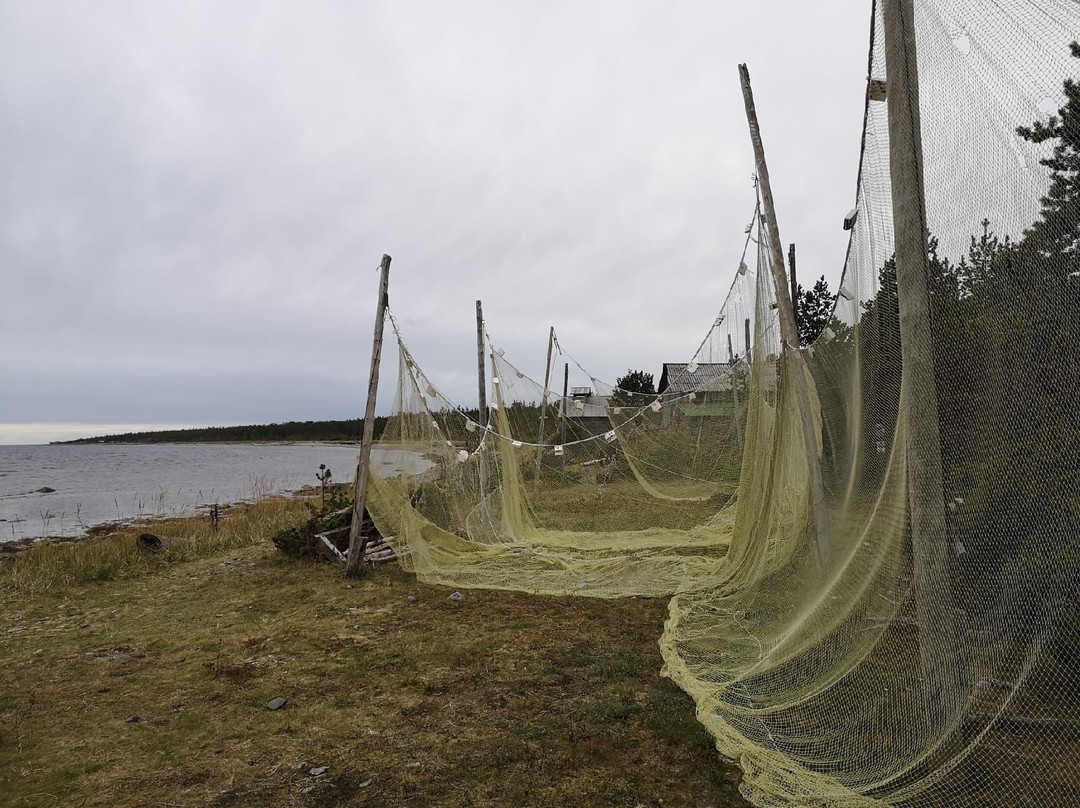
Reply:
x=132, y=719
x=275, y=704
x=319, y=771
x=458, y=597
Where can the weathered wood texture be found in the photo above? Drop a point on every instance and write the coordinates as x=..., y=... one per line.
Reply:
x=939, y=638
x=789, y=334
x=354, y=567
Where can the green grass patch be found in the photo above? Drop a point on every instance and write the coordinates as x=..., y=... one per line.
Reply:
x=502, y=699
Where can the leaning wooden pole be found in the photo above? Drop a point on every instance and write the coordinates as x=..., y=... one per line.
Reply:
x=563, y=414
x=794, y=283
x=734, y=389
x=481, y=381
x=939, y=642
x=789, y=335
x=481, y=399
x=543, y=403
x=354, y=565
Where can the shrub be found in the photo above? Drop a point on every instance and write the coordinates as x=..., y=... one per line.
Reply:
x=298, y=541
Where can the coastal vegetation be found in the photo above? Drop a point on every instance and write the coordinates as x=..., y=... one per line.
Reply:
x=137, y=679
x=110, y=552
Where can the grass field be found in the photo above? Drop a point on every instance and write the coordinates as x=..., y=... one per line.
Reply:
x=145, y=683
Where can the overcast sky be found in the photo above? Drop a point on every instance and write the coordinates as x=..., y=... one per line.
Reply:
x=194, y=197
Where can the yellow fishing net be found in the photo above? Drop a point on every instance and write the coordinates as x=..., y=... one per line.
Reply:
x=839, y=660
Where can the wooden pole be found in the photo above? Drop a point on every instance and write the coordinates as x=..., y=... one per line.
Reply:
x=734, y=388
x=481, y=381
x=562, y=409
x=354, y=564
x=790, y=335
x=794, y=284
x=940, y=644
x=482, y=405
x=746, y=340
x=543, y=402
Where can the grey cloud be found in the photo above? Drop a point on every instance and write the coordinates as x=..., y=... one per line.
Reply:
x=197, y=190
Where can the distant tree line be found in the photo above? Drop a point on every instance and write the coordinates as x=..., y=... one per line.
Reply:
x=346, y=431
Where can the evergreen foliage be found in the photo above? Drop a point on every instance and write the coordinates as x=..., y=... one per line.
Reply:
x=334, y=511
x=1006, y=323
x=815, y=308
x=634, y=389
x=1058, y=230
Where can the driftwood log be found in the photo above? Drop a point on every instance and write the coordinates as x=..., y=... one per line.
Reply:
x=154, y=543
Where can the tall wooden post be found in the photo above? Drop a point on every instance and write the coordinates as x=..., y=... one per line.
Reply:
x=482, y=404
x=543, y=402
x=562, y=410
x=480, y=380
x=746, y=340
x=354, y=565
x=794, y=284
x=939, y=643
x=790, y=335
x=734, y=388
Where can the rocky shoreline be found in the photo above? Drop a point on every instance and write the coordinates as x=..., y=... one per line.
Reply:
x=10, y=549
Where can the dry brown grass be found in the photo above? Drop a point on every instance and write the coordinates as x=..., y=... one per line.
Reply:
x=113, y=554
x=503, y=699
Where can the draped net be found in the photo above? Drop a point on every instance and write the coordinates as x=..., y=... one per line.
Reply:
x=814, y=659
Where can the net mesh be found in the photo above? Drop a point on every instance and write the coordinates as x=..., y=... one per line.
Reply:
x=840, y=656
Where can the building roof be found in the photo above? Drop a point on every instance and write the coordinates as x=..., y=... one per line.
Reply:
x=707, y=377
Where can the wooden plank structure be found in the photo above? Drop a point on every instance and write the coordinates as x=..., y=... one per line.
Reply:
x=376, y=550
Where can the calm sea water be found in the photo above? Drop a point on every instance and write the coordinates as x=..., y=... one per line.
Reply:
x=98, y=483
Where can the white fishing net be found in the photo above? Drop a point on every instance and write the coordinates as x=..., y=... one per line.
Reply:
x=871, y=644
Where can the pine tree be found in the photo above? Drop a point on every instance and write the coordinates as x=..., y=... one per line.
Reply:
x=1058, y=231
x=815, y=309
x=633, y=390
